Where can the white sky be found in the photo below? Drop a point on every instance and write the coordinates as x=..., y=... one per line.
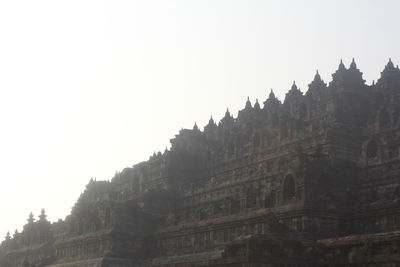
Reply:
x=91, y=87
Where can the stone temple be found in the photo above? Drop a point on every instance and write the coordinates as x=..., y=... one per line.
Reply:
x=312, y=181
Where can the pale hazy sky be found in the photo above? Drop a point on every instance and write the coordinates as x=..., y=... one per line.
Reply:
x=91, y=87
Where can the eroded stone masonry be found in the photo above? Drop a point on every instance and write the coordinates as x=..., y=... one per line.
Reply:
x=312, y=181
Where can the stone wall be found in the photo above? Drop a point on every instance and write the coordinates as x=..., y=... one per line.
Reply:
x=306, y=182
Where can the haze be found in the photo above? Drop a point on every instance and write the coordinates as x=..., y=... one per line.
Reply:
x=91, y=87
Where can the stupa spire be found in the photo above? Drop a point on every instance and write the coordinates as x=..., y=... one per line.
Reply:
x=227, y=113
x=272, y=94
x=389, y=65
x=257, y=105
x=341, y=65
x=353, y=64
x=195, y=128
x=271, y=101
x=42, y=215
x=293, y=93
x=211, y=126
x=227, y=119
x=31, y=219
x=211, y=121
x=390, y=74
x=248, y=103
x=316, y=84
x=8, y=237
x=294, y=86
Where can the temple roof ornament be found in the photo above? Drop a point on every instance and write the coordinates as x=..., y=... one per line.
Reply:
x=257, y=105
x=341, y=67
x=248, y=104
x=389, y=68
x=390, y=64
x=348, y=79
x=211, y=126
x=354, y=71
x=389, y=75
x=294, y=86
x=353, y=65
x=338, y=76
x=316, y=84
x=271, y=94
x=271, y=101
x=227, y=113
x=42, y=216
x=195, y=128
x=211, y=121
x=293, y=93
x=317, y=78
x=8, y=237
x=227, y=119
x=31, y=219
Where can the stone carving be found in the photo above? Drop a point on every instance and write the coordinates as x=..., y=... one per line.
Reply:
x=312, y=181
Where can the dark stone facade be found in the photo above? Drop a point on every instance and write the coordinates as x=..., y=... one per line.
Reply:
x=312, y=181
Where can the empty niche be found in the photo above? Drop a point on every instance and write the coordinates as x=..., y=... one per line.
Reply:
x=251, y=199
x=288, y=188
x=269, y=200
x=202, y=214
x=372, y=150
x=235, y=206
